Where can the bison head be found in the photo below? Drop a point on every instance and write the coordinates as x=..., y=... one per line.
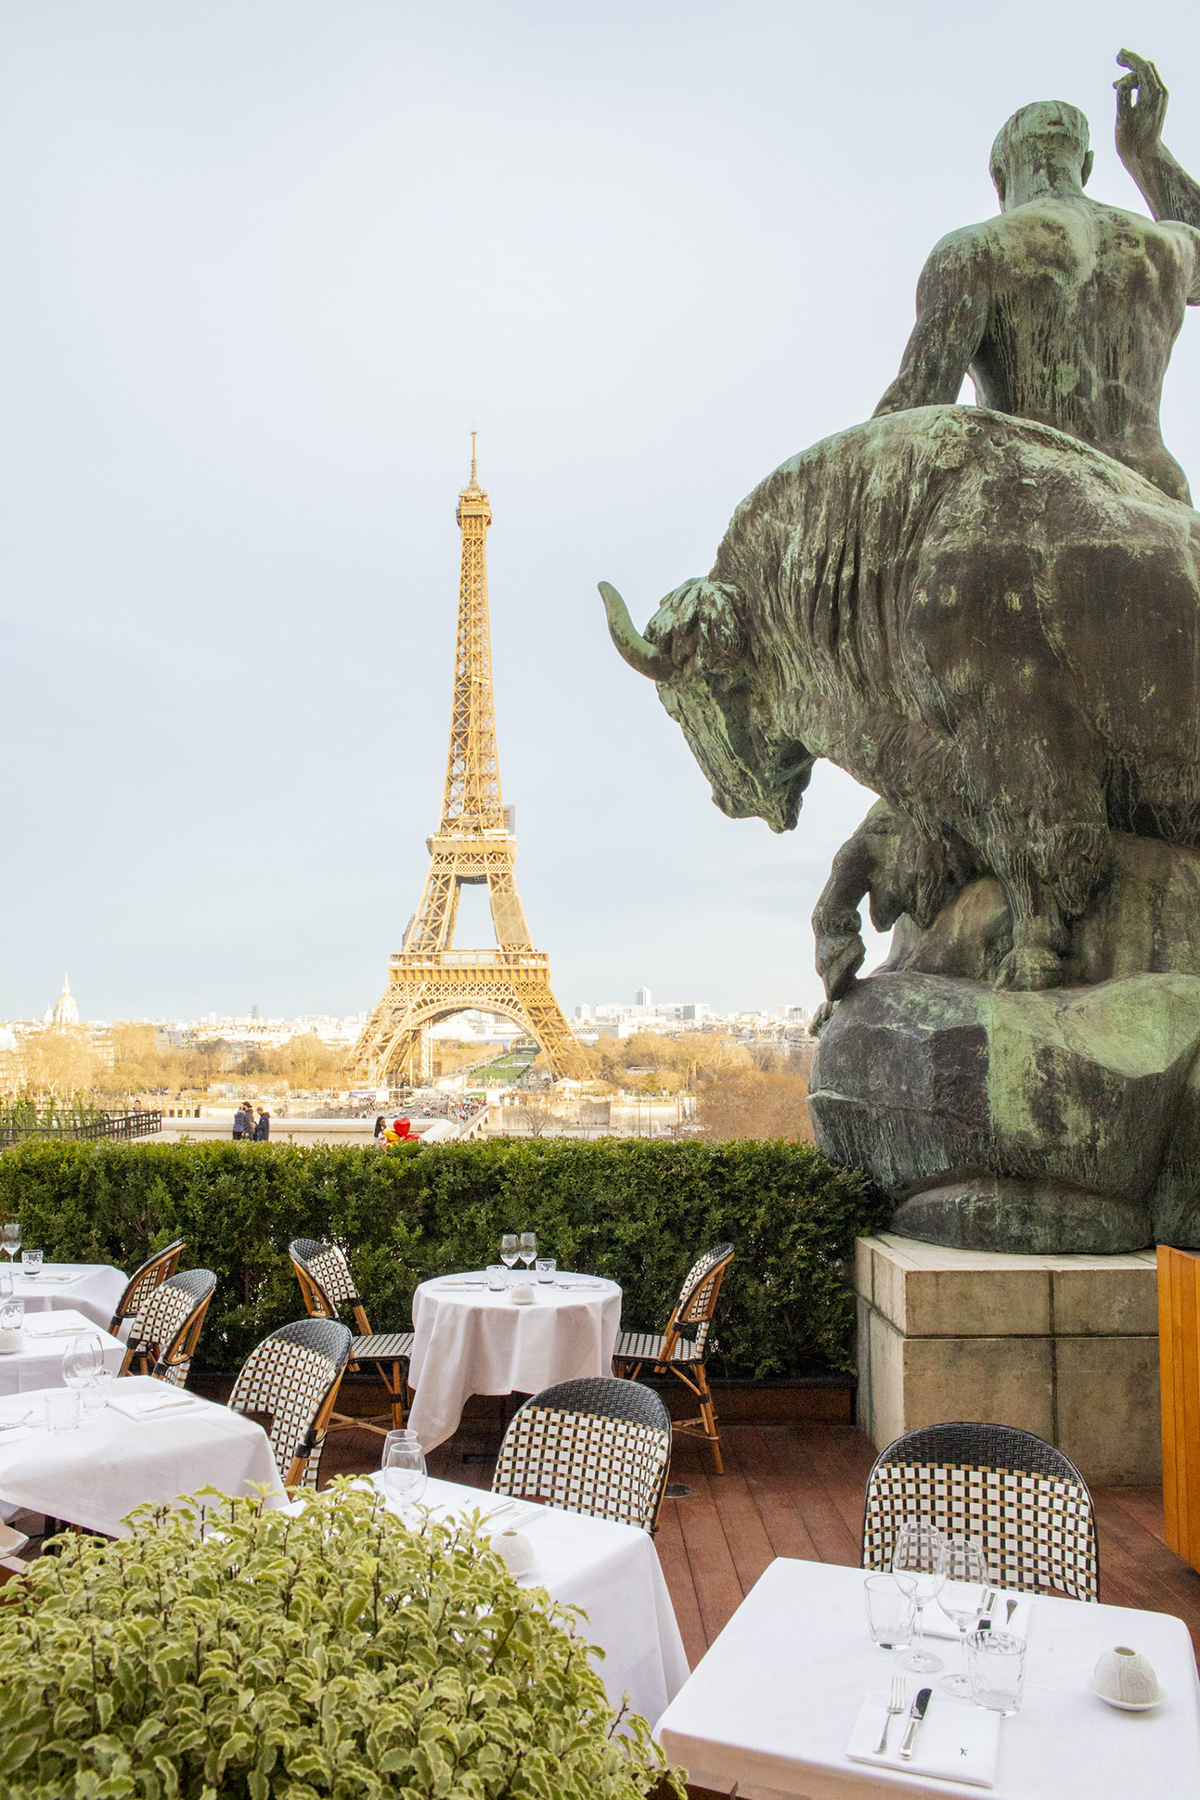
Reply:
x=696, y=649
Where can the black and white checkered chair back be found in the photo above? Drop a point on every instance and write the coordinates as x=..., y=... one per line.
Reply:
x=327, y=1268
x=289, y=1376
x=698, y=1296
x=142, y=1283
x=1024, y=1502
x=597, y=1445
x=169, y=1312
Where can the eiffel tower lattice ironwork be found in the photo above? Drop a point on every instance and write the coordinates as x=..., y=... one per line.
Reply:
x=428, y=979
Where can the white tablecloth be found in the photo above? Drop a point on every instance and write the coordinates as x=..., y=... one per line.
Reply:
x=772, y=1704
x=94, y=1289
x=96, y=1474
x=469, y=1340
x=38, y=1363
x=612, y=1572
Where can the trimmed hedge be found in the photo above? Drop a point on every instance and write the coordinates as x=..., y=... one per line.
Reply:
x=627, y=1208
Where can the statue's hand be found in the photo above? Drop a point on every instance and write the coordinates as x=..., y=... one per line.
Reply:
x=1139, y=126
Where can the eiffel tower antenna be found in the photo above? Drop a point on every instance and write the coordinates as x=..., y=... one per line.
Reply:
x=474, y=844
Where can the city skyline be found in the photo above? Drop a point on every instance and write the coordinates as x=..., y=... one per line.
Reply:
x=247, y=338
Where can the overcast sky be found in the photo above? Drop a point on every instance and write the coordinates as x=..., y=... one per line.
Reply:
x=265, y=266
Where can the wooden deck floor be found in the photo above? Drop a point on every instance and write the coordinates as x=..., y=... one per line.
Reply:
x=797, y=1490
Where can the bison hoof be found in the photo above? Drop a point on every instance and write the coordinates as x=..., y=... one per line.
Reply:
x=838, y=961
x=1030, y=970
x=821, y=1018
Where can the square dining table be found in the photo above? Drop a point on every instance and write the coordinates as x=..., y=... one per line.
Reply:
x=44, y=1337
x=610, y=1570
x=772, y=1704
x=95, y=1475
x=90, y=1288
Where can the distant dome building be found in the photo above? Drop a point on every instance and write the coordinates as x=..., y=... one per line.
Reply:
x=64, y=1011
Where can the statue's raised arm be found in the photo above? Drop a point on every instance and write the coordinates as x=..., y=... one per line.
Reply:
x=1167, y=189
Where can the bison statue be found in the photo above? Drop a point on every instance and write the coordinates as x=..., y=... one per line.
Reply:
x=993, y=626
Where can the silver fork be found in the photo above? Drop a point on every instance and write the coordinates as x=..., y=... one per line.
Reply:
x=895, y=1705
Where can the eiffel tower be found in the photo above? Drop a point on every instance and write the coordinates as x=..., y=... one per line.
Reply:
x=428, y=979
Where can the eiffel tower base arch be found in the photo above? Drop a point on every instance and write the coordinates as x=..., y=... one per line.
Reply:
x=393, y=1047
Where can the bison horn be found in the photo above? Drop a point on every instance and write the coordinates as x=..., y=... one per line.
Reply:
x=641, y=655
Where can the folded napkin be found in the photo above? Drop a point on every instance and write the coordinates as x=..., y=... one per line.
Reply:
x=43, y=1276
x=15, y=1434
x=580, y=1284
x=136, y=1406
x=939, y=1625
x=459, y=1281
x=57, y=1324
x=955, y=1741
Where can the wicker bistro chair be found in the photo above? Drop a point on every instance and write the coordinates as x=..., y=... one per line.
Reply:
x=288, y=1384
x=597, y=1445
x=142, y=1283
x=1020, y=1497
x=168, y=1331
x=327, y=1284
x=681, y=1349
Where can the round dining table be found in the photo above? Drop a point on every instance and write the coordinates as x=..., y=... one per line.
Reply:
x=472, y=1339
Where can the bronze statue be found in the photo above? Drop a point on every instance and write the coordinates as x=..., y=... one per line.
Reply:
x=1062, y=309
x=990, y=616
x=926, y=600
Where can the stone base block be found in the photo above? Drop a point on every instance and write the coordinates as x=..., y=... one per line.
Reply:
x=1064, y=1346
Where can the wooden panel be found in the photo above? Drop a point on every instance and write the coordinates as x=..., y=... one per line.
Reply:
x=1179, y=1365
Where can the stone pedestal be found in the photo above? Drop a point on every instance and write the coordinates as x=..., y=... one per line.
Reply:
x=1064, y=1346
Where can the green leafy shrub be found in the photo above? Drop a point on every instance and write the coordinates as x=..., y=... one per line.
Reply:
x=632, y=1209
x=332, y=1653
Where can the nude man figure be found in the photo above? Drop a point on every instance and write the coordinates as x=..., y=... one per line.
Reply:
x=1062, y=309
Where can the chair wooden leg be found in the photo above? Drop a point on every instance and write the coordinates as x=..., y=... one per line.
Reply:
x=396, y=1387
x=710, y=1419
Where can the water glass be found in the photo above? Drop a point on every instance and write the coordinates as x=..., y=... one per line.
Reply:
x=31, y=1262
x=497, y=1276
x=10, y=1241
x=546, y=1268
x=404, y=1474
x=890, y=1612
x=528, y=1248
x=12, y=1318
x=917, y=1566
x=6, y=1283
x=62, y=1410
x=996, y=1665
x=95, y=1394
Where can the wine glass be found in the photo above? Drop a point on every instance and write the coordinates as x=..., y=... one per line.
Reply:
x=916, y=1564
x=404, y=1473
x=10, y=1241
x=964, y=1566
x=509, y=1249
x=83, y=1356
x=529, y=1248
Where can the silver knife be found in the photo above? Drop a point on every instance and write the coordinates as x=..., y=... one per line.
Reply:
x=914, y=1719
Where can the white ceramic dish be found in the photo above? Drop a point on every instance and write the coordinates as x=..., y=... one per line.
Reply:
x=1130, y=1705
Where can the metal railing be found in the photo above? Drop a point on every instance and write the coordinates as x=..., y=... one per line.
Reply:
x=123, y=1126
